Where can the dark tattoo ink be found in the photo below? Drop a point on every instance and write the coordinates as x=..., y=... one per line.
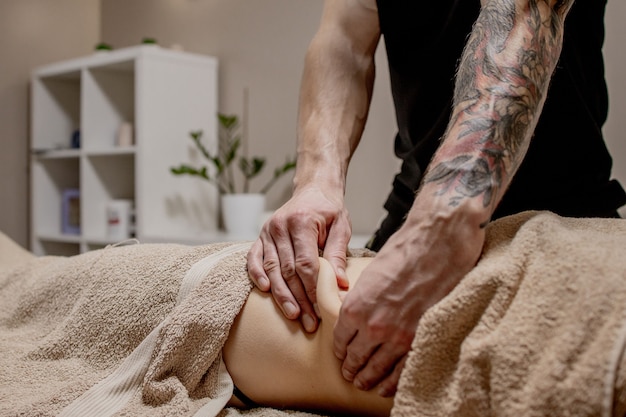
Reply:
x=500, y=87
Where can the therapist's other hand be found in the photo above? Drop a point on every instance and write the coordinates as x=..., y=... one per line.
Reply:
x=284, y=259
x=416, y=268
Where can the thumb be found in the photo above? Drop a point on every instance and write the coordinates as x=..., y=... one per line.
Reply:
x=336, y=249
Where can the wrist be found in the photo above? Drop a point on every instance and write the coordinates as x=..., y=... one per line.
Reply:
x=321, y=176
x=461, y=225
x=431, y=203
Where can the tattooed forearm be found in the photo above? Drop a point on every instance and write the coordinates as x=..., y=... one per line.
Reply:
x=501, y=83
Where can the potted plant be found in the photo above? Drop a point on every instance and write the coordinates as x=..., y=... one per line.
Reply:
x=241, y=208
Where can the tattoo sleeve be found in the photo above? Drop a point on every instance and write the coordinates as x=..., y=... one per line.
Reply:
x=501, y=83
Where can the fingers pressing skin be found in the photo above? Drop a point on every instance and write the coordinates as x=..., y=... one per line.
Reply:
x=285, y=258
x=291, y=263
x=255, y=266
x=265, y=270
x=336, y=248
x=380, y=367
x=305, y=240
x=368, y=367
x=370, y=354
x=389, y=386
x=378, y=319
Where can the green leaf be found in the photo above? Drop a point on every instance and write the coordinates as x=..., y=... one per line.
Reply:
x=227, y=121
x=229, y=144
x=257, y=164
x=232, y=152
x=251, y=168
x=189, y=170
x=288, y=166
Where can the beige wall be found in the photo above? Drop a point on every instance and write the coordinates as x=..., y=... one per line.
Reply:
x=32, y=33
x=615, y=54
x=260, y=46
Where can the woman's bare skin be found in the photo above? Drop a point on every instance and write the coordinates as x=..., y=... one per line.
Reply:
x=275, y=363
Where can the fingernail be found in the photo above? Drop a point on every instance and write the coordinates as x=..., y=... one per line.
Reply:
x=360, y=385
x=290, y=310
x=309, y=323
x=263, y=283
x=348, y=376
x=383, y=392
x=342, y=279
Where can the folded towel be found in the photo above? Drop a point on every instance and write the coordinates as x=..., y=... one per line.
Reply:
x=537, y=328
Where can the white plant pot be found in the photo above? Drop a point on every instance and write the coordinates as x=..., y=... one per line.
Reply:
x=241, y=214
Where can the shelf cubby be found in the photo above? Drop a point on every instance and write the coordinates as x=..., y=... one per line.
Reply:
x=50, y=178
x=112, y=102
x=110, y=177
x=162, y=95
x=56, y=112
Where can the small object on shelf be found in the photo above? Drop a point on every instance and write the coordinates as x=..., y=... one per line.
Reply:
x=70, y=221
x=75, y=142
x=125, y=135
x=119, y=219
x=103, y=47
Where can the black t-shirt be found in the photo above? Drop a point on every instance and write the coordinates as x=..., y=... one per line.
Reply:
x=567, y=167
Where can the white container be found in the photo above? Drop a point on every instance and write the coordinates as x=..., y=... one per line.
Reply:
x=241, y=214
x=119, y=219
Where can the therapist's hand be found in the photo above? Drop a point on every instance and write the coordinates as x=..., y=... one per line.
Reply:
x=284, y=259
x=417, y=267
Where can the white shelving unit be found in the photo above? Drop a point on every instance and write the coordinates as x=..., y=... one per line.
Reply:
x=164, y=94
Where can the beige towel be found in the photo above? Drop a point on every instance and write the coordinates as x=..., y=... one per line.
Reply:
x=538, y=328
x=68, y=323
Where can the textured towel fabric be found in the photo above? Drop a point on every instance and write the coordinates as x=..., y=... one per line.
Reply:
x=113, y=393
x=536, y=329
x=68, y=323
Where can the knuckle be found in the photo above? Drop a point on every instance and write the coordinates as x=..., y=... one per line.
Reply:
x=349, y=309
x=402, y=338
x=270, y=264
x=377, y=329
x=306, y=263
x=301, y=220
x=306, y=267
x=354, y=361
x=407, y=339
x=255, y=274
x=288, y=271
x=388, y=389
x=350, y=313
x=380, y=365
x=275, y=225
